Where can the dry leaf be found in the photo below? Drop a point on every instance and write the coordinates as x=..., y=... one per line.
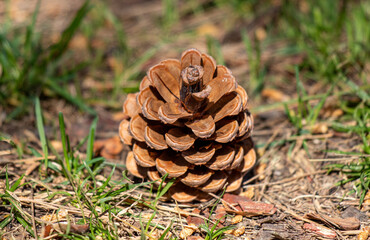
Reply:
x=320, y=230
x=247, y=207
x=220, y=213
x=193, y=220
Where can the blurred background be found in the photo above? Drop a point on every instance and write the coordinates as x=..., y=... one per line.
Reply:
x=90, y=54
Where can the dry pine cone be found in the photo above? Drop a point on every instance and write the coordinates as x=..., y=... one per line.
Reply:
x=189, y=120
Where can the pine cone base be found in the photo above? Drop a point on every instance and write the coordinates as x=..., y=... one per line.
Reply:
x=190, y=121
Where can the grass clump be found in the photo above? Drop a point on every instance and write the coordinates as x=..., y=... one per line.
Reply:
x=29, y=68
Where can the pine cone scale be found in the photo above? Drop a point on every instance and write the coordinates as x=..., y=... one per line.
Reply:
x=203, y=127
x=169, y=163
x=179, y=139
x=154, y=137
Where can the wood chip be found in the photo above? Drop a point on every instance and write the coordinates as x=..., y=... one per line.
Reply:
x=237, y=219
x=320, y=230
x=247, y=207
x=364, y=234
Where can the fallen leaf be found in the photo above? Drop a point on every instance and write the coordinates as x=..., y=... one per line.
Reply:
x=220, y=213
x=195, y=220
x=247, y=207
x=320, y=230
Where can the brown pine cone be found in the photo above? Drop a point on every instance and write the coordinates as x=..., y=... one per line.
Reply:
x=189, y=120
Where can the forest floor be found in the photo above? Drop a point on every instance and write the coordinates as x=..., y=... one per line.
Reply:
x=304, y=64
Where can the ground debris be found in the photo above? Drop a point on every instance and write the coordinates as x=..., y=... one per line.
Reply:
x=349, y=223
x=354, y=212
x=364, y=234
x=320, y=230
x=246, y=207
x=278, y=231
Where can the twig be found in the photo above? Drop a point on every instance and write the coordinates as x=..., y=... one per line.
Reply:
x=6, y=152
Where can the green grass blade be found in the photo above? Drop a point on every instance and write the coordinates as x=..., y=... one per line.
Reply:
x=40, y=128
x=161, y=192
x=67, y=96
x=25, y=224
x=90, y=141
x=64, y=141
x=316, y=110
x=162, y=237
x=16, y=183
x=6, y=221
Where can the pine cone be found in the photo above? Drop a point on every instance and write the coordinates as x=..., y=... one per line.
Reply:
x=190, y=121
